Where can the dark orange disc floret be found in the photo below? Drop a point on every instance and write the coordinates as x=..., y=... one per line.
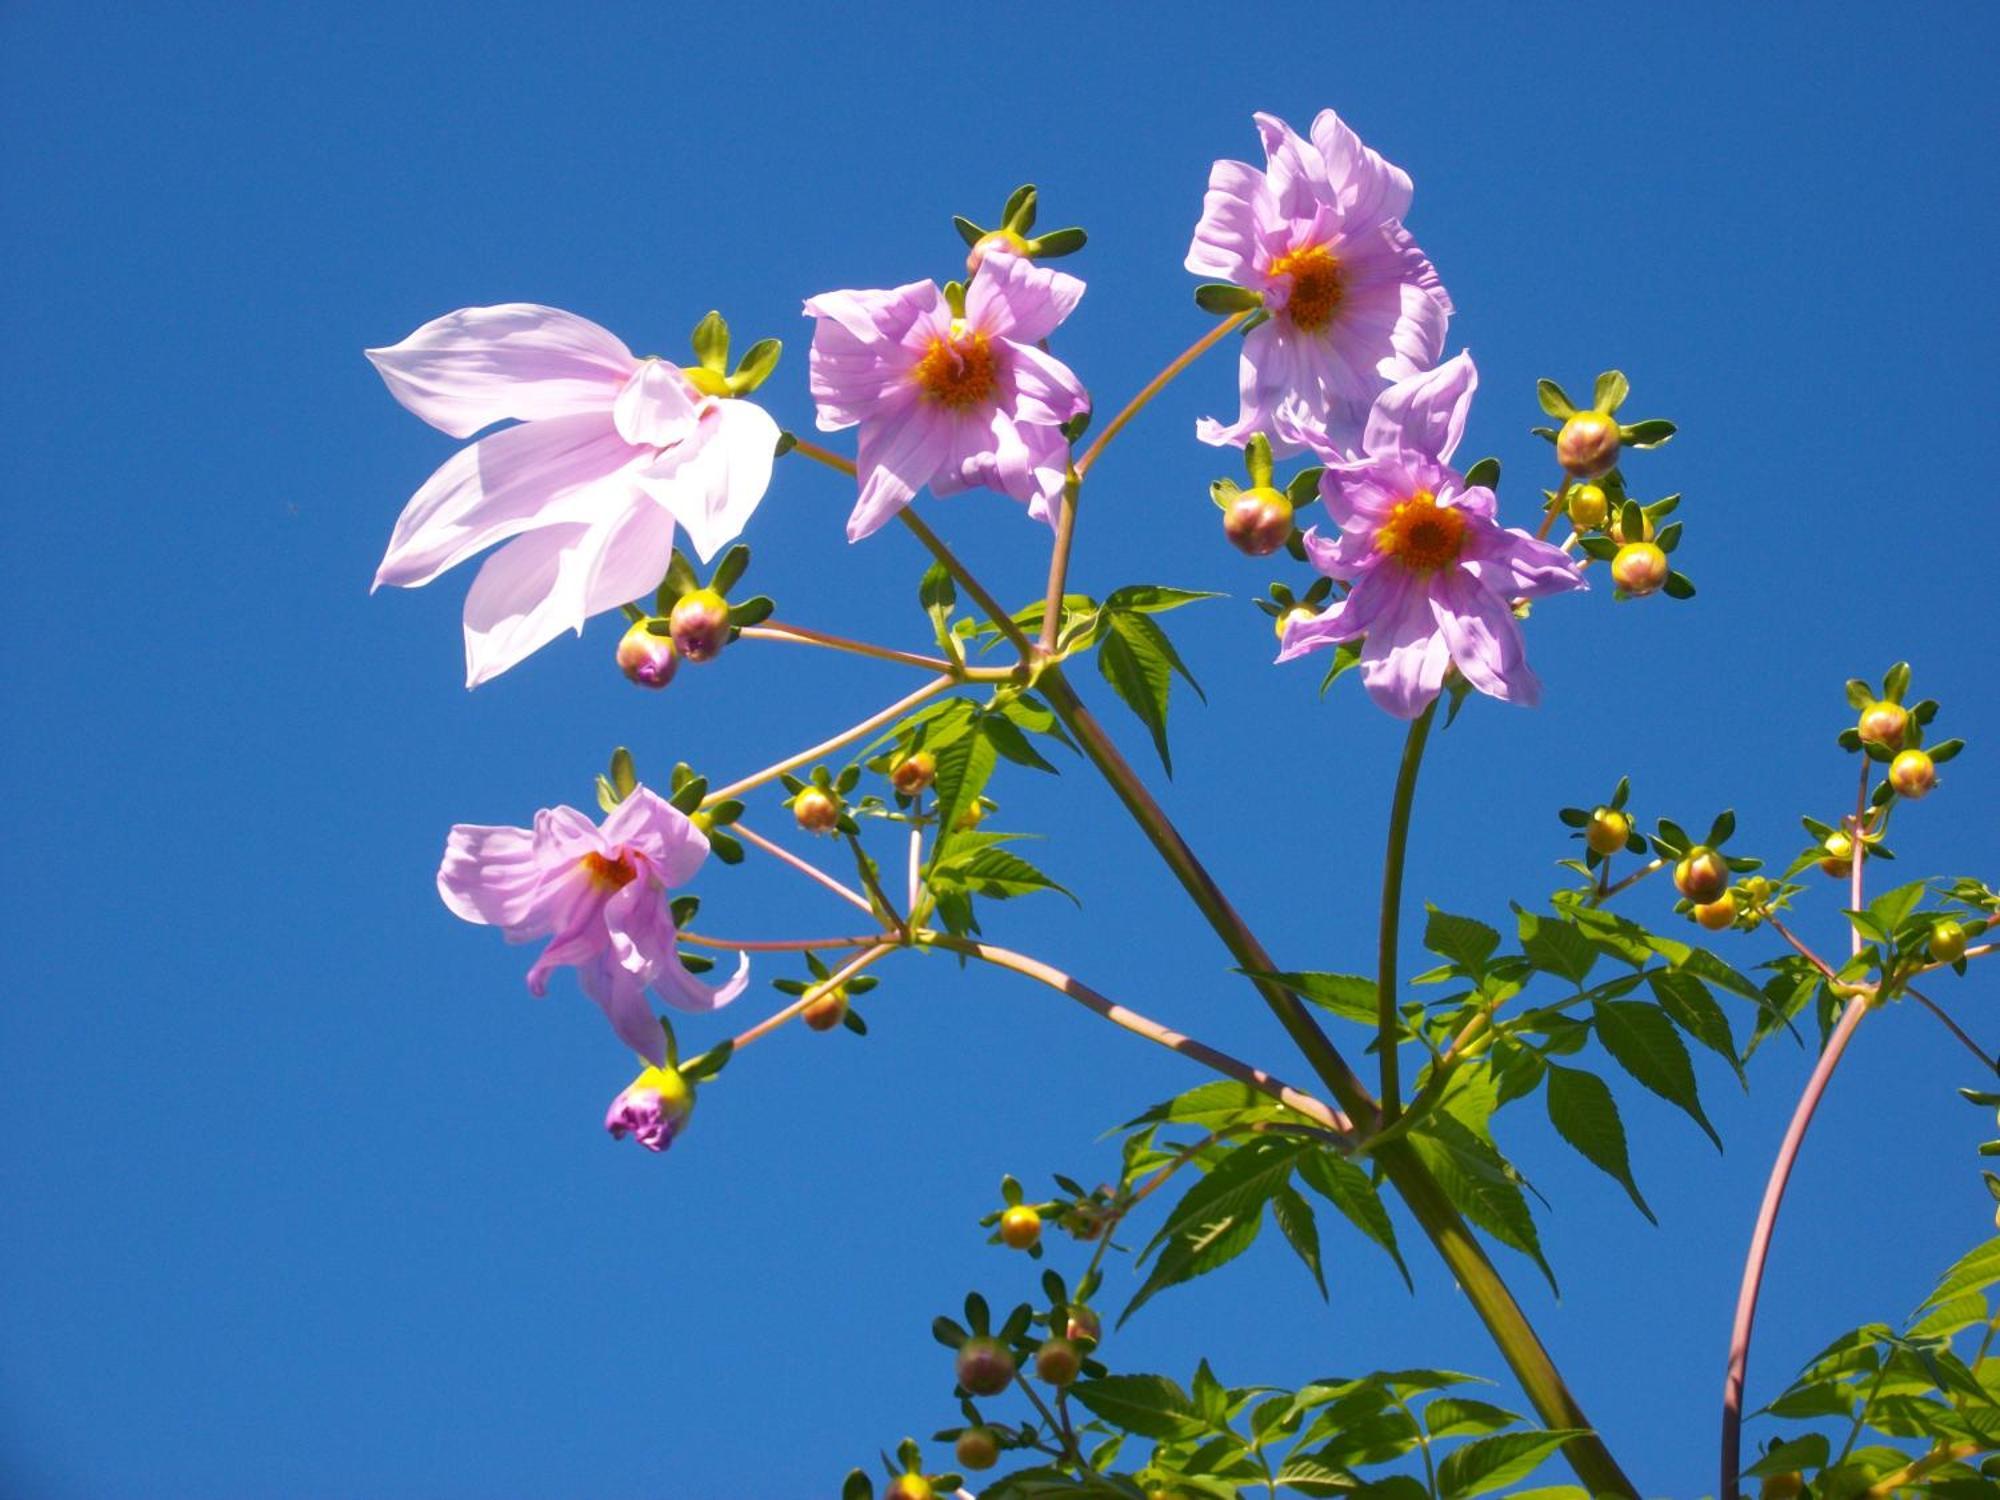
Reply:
x=1316, y=285
x=957, y=372
x=612, y=874
x=1422, y=535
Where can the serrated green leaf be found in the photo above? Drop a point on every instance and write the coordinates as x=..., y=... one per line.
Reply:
x=1461, y=939
x=1151, y=1405
x=1487, y=1463
x=1476, y=1178
x=994, y=873
x=1301, y=1230
x=1350, y=1190
x=1141, y=675
x=1460, y=1416
x=1348, y=995
x=1218, y=1218
x=964, y=766
x=1556, y=947
x=1584, y=1114
x=1687, y=1000
x=1643, y=1042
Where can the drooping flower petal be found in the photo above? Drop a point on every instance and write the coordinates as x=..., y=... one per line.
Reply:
x=858, y=366
x=1484, y=639
x=896, y=456
x=1368, y=188
x=1404, y=659
x=538, y=474
x=481, y=365
x=683, y=991
x=1424, y=414
x=654, y=408
x=668, y=837
x=713, y=485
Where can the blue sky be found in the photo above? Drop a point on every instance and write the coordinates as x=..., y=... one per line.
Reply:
x=305, y=1196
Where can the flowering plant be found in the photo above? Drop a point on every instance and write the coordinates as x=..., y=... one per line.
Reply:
x=1416, y=579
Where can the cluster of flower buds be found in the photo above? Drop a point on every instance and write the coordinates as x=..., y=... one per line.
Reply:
x=690, y=621
x=1258, y=520
x=1610, y=525
x=829, y=1005
x=1893, y=735
x=1015, y=235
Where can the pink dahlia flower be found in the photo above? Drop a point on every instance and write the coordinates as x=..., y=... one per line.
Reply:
x=1432, y=574
x=1354, y=303
x=600, y=896
x=610, y=452
x=945, y=400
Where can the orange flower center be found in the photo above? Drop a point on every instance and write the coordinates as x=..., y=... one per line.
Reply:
x=1316, y=290
x=611, y=874
x=957, y=372
x=1421, y=535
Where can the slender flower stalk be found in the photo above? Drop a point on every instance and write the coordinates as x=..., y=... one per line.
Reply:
x=778, y=631
x=810, y=871
x=1159, y=383
x=1781, y=1169
x=1388, y=1027
x=1059, y=565
x=1151, y=1030
x=826, y=747
x=1953, y=1027
x=779, y=945
x=889, y=944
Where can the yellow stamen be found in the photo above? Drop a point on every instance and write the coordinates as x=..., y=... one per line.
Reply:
x=957, y=372
x=1422, y=535
x=1316, y=285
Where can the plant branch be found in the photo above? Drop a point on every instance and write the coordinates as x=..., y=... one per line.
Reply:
x=810, y=871
x=827, y=746
x=889, y=944
x=773, y=630
x=1159, y=383
x=1952, y=1026
x=1059, y=565
x=780, y=945
x=1387, y=1025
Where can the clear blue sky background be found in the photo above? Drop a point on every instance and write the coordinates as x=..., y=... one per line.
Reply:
x=304, y=1196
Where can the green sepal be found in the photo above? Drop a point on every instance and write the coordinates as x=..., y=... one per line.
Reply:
x=1678, y=586
x=684, y=909
x=1019, y=214
x=1224, y=299
x=624, y=775
x=1224, y=492
x=710, y=1063
x=724, y=846
x=711, y=343
x=787, y=441
x=1484, y=475
x=1897, y=682
x=1554, y=401
x=1648, y=434
x=1612, y=389
x=734, y=562
x=680, y=580
x=756, y=367
x=1859, y=694
x=752, y=611
x=968, y=231
x=1057, y=242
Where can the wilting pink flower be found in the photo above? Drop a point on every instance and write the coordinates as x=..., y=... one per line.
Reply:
x=652, y=1109
x=610, y=452
x=1354, y=303
x=1433, y=575
x=600, y=895
x=948, y=401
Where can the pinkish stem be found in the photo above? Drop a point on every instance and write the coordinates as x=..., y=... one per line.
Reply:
x=811, y=872
x=833, y=981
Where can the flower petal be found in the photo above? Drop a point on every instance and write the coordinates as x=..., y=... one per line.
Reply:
x=1424, y=414
x=490, y=875
x=683, y=991
x=896, y=456
x=665, y=835
x=1404, y=660
x=1484, y=638
x=1520, y=566
x=1367, y=188
x=858, y=365
x=655, y=408
x=1234, y=214
x=1012, y=297
x=538, y=474
x=1046, y=390
x=713, y=481
x=621, y=995
x=480, y=365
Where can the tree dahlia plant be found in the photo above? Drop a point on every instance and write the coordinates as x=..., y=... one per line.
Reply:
x=1413, y=576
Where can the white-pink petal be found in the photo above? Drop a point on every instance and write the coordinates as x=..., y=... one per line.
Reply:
x=654, y=408
x=713, y=481
x=481, y=365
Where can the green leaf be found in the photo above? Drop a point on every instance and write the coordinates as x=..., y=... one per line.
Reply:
x=1461, y=939
x=995, y=873
x=1973, y=1271
x=1793, y=1454
x=1348, y=995
x=1643, y=1042
x=1150, y=1405
x=1612, y=389
x=1687, y=1000
x=1350, y=1190
x=1555, y=947
x=1460, y=1416
x=1154, y=598
x=1584, y=1114
x=1312, y=1476
x=1211, y=1104
x=1301, y=1230
x=1479, y=1181
x=1554, y=401
x=1010, y=742
x=1141, y=674
x=1218, y=1218
x=964, y=766
x=1487, y=1463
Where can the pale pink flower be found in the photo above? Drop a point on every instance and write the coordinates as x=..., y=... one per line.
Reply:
x=610, y=453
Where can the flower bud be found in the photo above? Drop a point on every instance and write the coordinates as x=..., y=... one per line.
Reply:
x=1057, y=1362
x=1608, y=830
x=1912, y=773
x=971, y=818
x=700, y=623
x=1947, y=942
x=995, y=242
x=1588, y=506
x=1616, y=530
x=914, y=772
x=826, y=1011
x=1839, y=858
x=1084, y=1326
x=1883, y=724
x=645, y=658
x=977, y=1448
x=985, y=1368
x=1258, y=522
x=1587, y=446
x=1639, y=568
x=816, y=810
x=1020, y=1227
x=910, y=1487
x=1786, y=1486
x=653, y=1109
x=1298, y=612
x=1717, y=915
x=1701, y=875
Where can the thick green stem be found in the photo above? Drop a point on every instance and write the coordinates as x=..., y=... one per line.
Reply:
x=1388, y=1028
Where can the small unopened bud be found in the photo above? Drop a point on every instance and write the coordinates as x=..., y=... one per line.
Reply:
x=1588, y=506
x=645, y=658
x=1786, y=1486
x=910, y=1487
x=817, y=811
x=995, y=242
x=1838, y=860
x=1020, y=1227
x=985, y=1368
x=700, y=624
x=1947, y=942
x=1701, y=875
x=1297, y=614
x=1258, y=522
x=1587, y=446
x=1084, y=1326
x=1883, y=724
x=1057, y=1362
x=914, y=772
x=977, y=1448
x=971, y=818
x=653, y=1109
x=826, y=1011
x=1719, y=914
x=1639, y=568
x=1616, y=529
x=1912, y=773
x=1608, y=831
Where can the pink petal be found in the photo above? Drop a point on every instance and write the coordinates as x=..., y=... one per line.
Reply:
x=665, y=835
x=480, y=365
x=683, y=991
x=655, y=408
x=1014, y=298
x=1403, y=663
x=1230, y=231
x=552, y=580
x=712, y=482
x=1367, y=188
x=1293, y=169
x=1484, y=638
x=1046, y=391
x=534, y=475
x=1424, y=414
x=490, y=875
x=896, y=456
x=621, y=995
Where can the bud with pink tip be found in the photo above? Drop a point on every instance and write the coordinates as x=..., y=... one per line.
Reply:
x=700, y=623
x=1639, y=568
x=646, y=658
x=653, y=1109
x=1258, y=521
x=1587, y=446
x=1913, y=773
